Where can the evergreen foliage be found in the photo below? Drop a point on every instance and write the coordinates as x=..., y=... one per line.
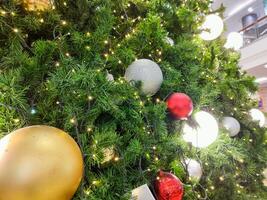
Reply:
x=56, y=61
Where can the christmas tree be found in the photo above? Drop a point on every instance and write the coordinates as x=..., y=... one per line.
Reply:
x=63, y=64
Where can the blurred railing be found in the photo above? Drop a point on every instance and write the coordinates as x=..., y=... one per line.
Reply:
x=254, y=31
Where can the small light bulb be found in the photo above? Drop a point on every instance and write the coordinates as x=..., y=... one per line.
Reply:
x=63, y=22
x=41, y=20
x=33, y=111
x=16, y=120
x=16, y=30
x=94, y=182
x=116, y=159
x=72, y=120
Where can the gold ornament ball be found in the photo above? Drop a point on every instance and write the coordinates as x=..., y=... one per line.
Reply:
x=38, y=5
x=39, y=163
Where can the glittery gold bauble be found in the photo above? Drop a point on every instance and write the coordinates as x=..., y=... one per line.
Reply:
x=109, y=154
x=39, y=163
x=35, y=5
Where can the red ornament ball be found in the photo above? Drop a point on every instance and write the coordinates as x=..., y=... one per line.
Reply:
x=168, y=187
x=180, y=105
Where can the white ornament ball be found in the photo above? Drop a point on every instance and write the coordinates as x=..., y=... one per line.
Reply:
x=205, y=133
x=231, y=125
x=194, y=168
x=169, y=41
x=148, y=72
x=265, y=177
x=212, y=27
x=110, y=77
x=257, y=115
x=234, y=41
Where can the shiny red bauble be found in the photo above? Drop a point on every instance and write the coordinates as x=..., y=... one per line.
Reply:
x=168, y=187
x=180, y=105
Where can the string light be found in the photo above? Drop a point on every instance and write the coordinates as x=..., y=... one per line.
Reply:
x=3, y=12
x=57, y=64
x=63, y=22
x=90, y=98
x=15, y=30
x=72, y=120
x=116, y=159
x=41, y=20
x=16, y=120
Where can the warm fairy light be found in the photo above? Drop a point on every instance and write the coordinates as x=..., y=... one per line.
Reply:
x=106, y=42
x=72, y=120
x=65, y=3
x=67, y=54
x=87, y=47
x=241, y=161
x=221, y=178
x=90, y=98
x=57, y=102
x=149, y=169
x=41, y=20
x=212, y=187
x=57, y=64
x=154, y=147
x=89, y=129
x=106, y=55
x=16, y=120
x=156, y=159
x=3, y=12
x=15, y=30
x=119, y=62
x=116, y=159
x=94, y=182
x=158, y=100
x=158, y=177
x=63, y=22
x=94, y=155
x=88, y=34
x=141, y=103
